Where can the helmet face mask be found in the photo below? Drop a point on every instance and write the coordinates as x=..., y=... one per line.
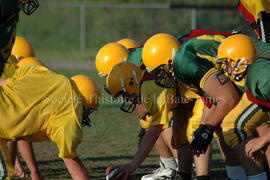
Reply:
x=86, y=121
x=129, y=100
x=235, y=54
x=164, y=76
x=233, y=69
x=129, y=103
x=30, y=6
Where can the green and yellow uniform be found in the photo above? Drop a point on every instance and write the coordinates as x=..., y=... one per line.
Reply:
x=35, y=108
x=193, y=64
x=135, y=56
x=258, y=83
x=9, y=16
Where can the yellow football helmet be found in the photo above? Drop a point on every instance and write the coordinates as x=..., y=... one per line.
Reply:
x=89, y=90
x=159, y=49
x=22, y=48
x=108, y=56
x=128, y=43
x=29, y=60
x=235, y=53
x=124, y=80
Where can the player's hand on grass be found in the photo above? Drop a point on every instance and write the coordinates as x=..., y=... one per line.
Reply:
x=201, y=139
x=255, y=147
x=123, y=172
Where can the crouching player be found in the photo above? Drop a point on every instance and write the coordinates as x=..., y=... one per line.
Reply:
x=35, y=108
x=258, y=92
x=127, y=80
x=106, y=58
x=192, y=66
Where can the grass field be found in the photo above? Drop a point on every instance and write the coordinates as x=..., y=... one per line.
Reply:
x=112, y=140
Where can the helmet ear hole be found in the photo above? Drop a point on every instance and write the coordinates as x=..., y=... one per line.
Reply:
x=130, y=83
x=170, y=61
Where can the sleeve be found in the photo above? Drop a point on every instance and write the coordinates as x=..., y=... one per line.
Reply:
x=66, y=133
x=158, y=102
x=9, y=67
x=189, y=68
x=24, y=71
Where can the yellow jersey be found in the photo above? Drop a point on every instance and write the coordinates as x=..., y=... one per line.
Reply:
x=9, y=67
x=159, y=102
x=37, y=104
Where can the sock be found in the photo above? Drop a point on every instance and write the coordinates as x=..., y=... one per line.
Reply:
x=261, y=176
x=176, y=160
x=169, y=162
x=236, y=172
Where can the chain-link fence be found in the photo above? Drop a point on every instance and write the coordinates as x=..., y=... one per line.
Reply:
x=85, y=27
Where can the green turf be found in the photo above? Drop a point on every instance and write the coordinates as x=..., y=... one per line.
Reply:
x=112, y=140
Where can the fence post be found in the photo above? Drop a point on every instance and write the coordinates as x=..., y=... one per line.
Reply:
x=82, y=27
x=193, y=18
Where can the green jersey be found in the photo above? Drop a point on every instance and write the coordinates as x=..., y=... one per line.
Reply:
x=263, y=49
x=195, y=60
x=135, y=56
x=258, y=82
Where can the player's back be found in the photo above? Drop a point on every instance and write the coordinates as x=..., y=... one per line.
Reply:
x=34, y=97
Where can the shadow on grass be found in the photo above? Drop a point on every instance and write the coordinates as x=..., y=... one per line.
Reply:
x=97, y=171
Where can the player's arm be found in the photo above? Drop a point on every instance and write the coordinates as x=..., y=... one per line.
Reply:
x=226, y=97
x=3, y=81
x=76, y=168
x=147, y=144
x=256, y=144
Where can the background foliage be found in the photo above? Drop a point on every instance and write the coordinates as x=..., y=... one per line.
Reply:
x=54, y=30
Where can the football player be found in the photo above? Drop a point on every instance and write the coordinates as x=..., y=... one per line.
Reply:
x=192, y=66
x=127, y=80
x=168, y=156
x=47, y=110
x=258, y=92
x=236, y=57
x=24, y=53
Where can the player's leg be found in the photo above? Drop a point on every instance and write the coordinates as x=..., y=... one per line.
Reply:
x=237, y=129
x=167, y=157
x=28, y=155
x=18, y=169
x=6, y=168
x=202, y=164
x=184, y=153
x=234, y=168
x=167, y=161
